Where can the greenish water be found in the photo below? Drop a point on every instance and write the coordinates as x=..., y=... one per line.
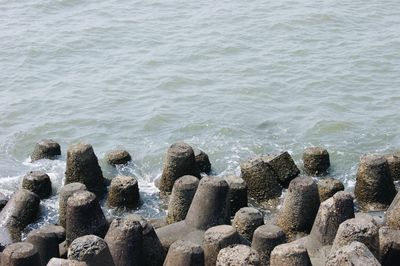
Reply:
x=236, y=79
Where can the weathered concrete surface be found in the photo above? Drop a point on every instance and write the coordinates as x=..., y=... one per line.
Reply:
x=247, y=220
x=265, y=239
x=46, y=243
x=389, y=246
x=46, y=149
x=66, y=192
x=20, y=254
x=238, y=255
x=316, y=161
x=38, y=182
x=237, y=196
x=290, y=254
x=124, y=192
x=353, y=254
x=118, y=157
x=91, y=249
x=184, y=253
x=202, y=161
x=328, y=187
x=393, y=213
x=284, y=166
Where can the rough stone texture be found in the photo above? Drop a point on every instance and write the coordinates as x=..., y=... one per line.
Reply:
x=328, y=187
x=284, y=167
x=389, y=246
x=247, y=220
x=331, y=214
x=3, y=201
x=46, y=149
x=125, y=241
x=261, y=180
x=20, y=254
x=393, y=213
x=124, y=192
x=20, y=211
x=357, y=229
x=182, y=195
x=238, y=255
x=118, y=157
x=237, y=195
x=65, y=192
x=38, y=182
x=217, y=238
x=91, y=249
x=316, y=161
x=374, y=188
x=63, y=249
x=299, y=207
x=265, y=239
x=83, y=167
x=45, y=242
x=179, y=161
x=394, y=165
x=354, y=254
x=184, y=253
x=64, y=262
x=202, y=161
x=58, y=230
x=84, y=216
x=290, y=254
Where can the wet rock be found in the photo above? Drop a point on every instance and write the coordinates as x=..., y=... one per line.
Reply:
x=179, y=161
x=261, y=180
x=353, y=254
x=84, y=216
x=124, y=192
x=38, y=182
x=217, y=238
x=184, y=253
x=182, y=195
x=265, y=239
x=20, y=254
x=394, y=165
x=46, y=243
x=202, y=161
x=118, y=157
x=64, y=262
x=125, y=241
x=299, y=207
x=290, y=254
x=237, y=195
x=374, y=188
x=389, y=246
x=393, y=213
x=284, y=167
x=238, y=255
x=91, y=249
x=331, y=214
x=316, y=161
x=46, y=149
x=357, y=229
x=83, y=167
x=65, y=192
x=328, y=187
x=21, y=210
x=247, y=220
x=3, y=201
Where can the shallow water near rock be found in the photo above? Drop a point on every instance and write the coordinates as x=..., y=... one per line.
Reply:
x=235, y=79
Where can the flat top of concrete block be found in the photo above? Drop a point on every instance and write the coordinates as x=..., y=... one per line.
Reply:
x=81, y=198
x=218, y=232
x=289, y=249
x=186, y=246
x=373, y=159
x=235, y=182
x=72, y=187
x=180, y=149
x=80, y=148
x=48, y=143
x=36, y=175
x=269, y=231
x=19, y=250
x=123, y=180
x=315, y=151
x=213, y=181
x=187, y=181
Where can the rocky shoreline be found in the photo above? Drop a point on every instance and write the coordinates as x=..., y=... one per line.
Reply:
x=209, y=221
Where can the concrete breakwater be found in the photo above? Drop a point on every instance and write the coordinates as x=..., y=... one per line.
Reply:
x=209, y=219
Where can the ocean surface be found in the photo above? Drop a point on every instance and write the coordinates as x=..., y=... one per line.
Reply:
x=236, y=79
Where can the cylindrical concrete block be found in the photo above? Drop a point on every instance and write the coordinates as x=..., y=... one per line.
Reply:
x=357, y=229
x=238, y=255
x=261, y=180
x=46, y=243
x=184, y=253
x=393, y=213
x=118, y=157
x=84, y=216
x=46, y=149
x=179, y=161
x=265, y=239
x=389, y=246
x=125, y=241
x=20, y=211
x=65, y=262
x=299, y=207
x=237, y=196
x=284, y=166
x=394, y=165
x=217, y=238
x=331, y=214
x=316, y=161
x=290, y=254
x=202, y=161
x=58, y=230
x=124, y=192
x=20, y=254
x=65, y=192
x=209, y=205
x=327, y=187
x=83, y=167
x=91, y=249
x=247, y=220
x=355, y=253
x=182, y=195
x=38, y=182
x=374, y=188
